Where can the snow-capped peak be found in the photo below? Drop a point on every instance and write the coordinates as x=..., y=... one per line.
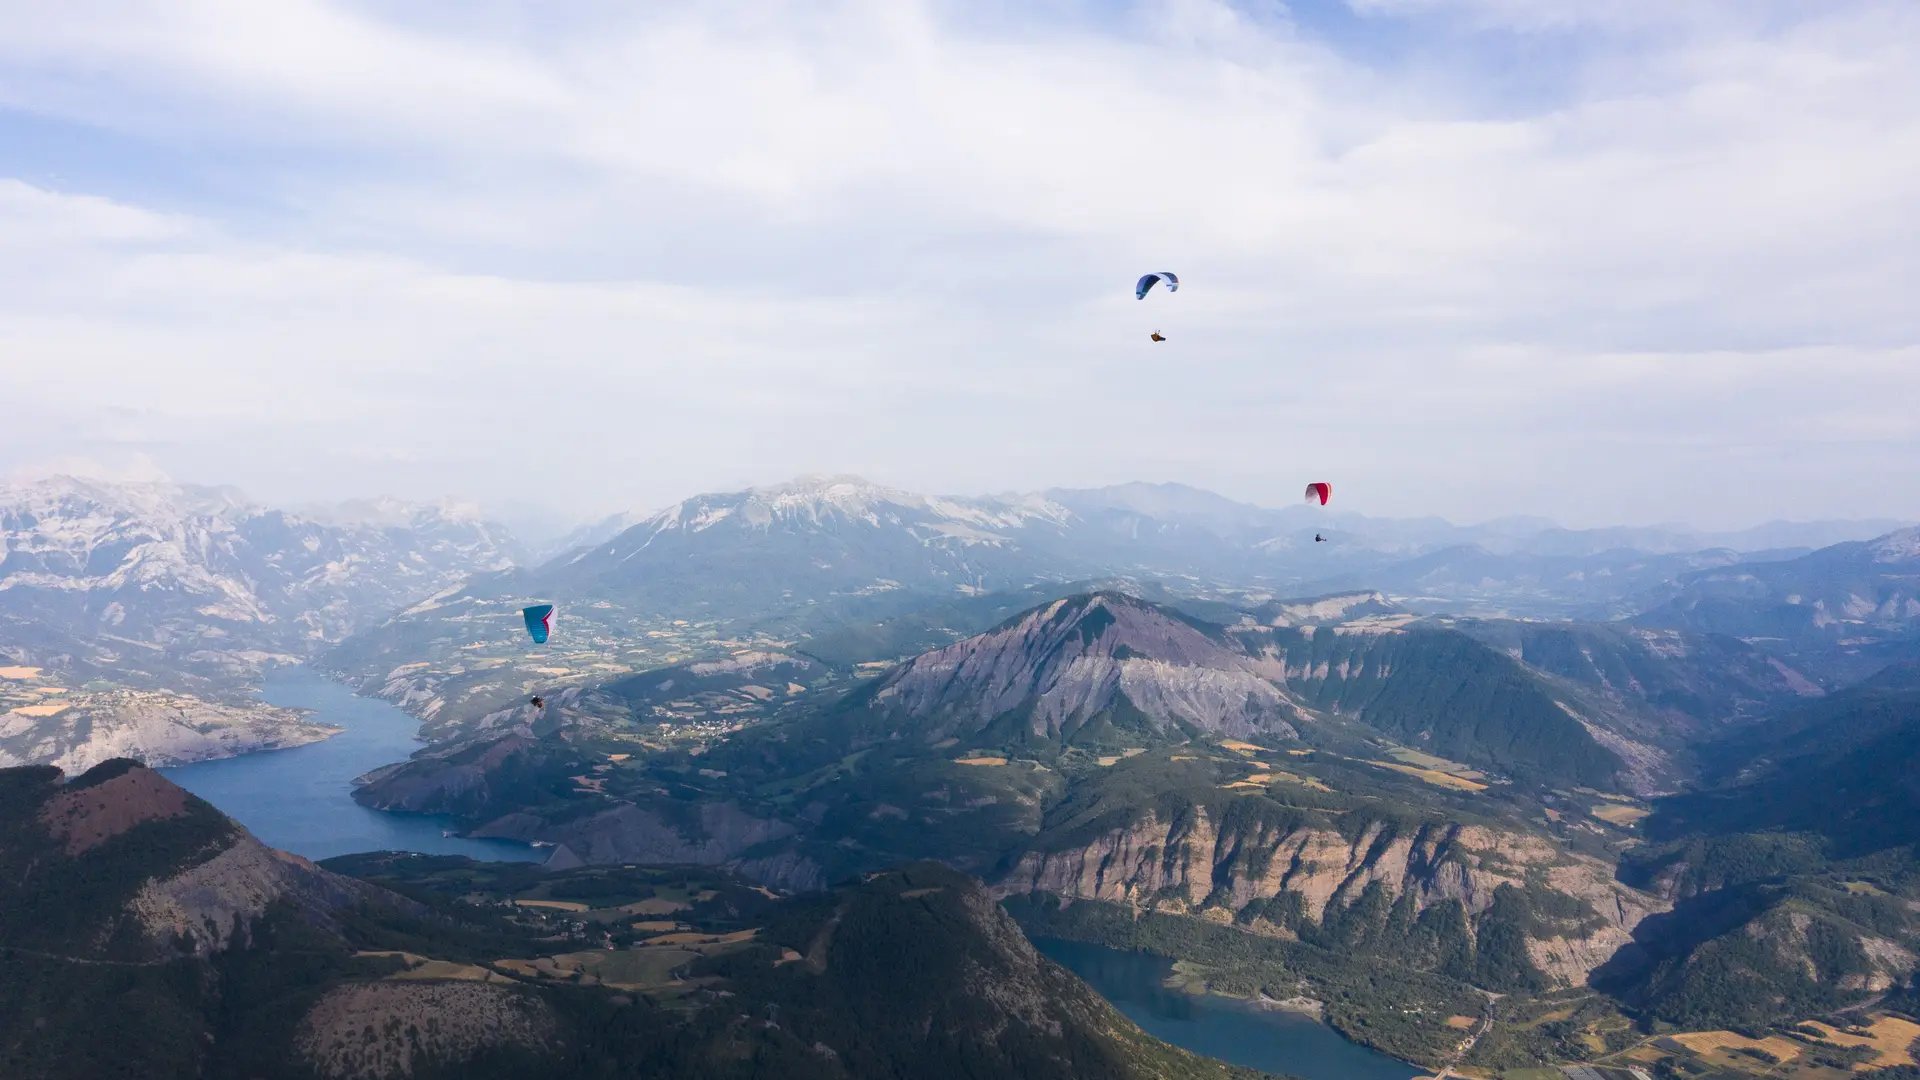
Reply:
x=162, y=559
x=1901, y=545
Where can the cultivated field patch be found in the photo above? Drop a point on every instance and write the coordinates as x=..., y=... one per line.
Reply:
x=1433, y=776
x=1615, y=814
x=1890, y=1035
x=1706, y=1042
x=556, y=905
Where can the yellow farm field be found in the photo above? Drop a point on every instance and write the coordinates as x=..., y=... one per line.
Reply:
x=658, y=905
x=1433, y=776
x=622, y=968
x=1243, y=747
x=54, y=709
x=1281, y=776
x=423, y=967
x=19, y=672
x=1421, y=760
x=1615, y=814
x=980, y=761
x=696, y=939
x=557, y=905
x=1890, y=1035
x=447, y=969
x=1706, y=1042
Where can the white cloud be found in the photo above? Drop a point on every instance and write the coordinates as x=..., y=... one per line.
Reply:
x=696, y=243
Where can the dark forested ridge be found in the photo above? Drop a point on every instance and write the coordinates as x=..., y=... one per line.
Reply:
x=1846, y=768
x=145, y=934
x=1795, y=874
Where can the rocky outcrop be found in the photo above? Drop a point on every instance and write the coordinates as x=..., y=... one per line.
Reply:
x=1190, y=865
x=75, y=732
x=200, y=908
x=199, y=590
x=1061, y=665
x=375, y=1031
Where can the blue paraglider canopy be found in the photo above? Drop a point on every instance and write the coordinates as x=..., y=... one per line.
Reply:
x=539, y=622
x=1140, y=287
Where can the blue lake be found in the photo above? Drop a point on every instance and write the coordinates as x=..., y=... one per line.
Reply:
x=300, y=800
x=1220, y=1027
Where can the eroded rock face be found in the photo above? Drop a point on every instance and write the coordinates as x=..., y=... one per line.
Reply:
x=1179, y=865
x=1082, y=656
x=199, y=909
x=373, y=1031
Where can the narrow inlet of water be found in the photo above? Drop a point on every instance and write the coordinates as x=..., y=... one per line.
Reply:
x=301, y=799
x=1218, y=1027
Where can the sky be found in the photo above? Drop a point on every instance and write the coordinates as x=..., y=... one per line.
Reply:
x=1606, y=261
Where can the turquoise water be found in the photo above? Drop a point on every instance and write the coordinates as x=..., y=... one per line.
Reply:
x=300, y=800
x=1218, y=1027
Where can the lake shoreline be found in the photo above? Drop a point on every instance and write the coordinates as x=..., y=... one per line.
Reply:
x=1245, y=1031
x=300, y=799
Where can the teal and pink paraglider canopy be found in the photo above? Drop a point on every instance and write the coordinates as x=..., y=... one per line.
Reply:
x=539, y=622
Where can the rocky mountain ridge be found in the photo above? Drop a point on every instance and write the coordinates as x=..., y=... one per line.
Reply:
x=180, y=567
x=1845, y=610
x=1141, y=669
x=193, y=592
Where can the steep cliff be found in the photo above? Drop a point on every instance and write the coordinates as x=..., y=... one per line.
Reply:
x=1291, y=873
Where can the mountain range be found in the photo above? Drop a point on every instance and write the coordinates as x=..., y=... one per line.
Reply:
x=1848, y=609
x=1388, y=801
x=102, y=575
x=821, y=536
x=855, y=573
x=138, y=617
x=1331, y=775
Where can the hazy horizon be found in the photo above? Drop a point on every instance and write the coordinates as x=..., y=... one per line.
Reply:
x=1607, y=264
x=539, y=526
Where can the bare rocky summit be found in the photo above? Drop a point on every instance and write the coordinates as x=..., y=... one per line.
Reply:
x=372, y=1031
x=1104, y=656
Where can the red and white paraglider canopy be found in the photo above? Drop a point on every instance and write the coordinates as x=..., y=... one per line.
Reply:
x=1319, y=493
